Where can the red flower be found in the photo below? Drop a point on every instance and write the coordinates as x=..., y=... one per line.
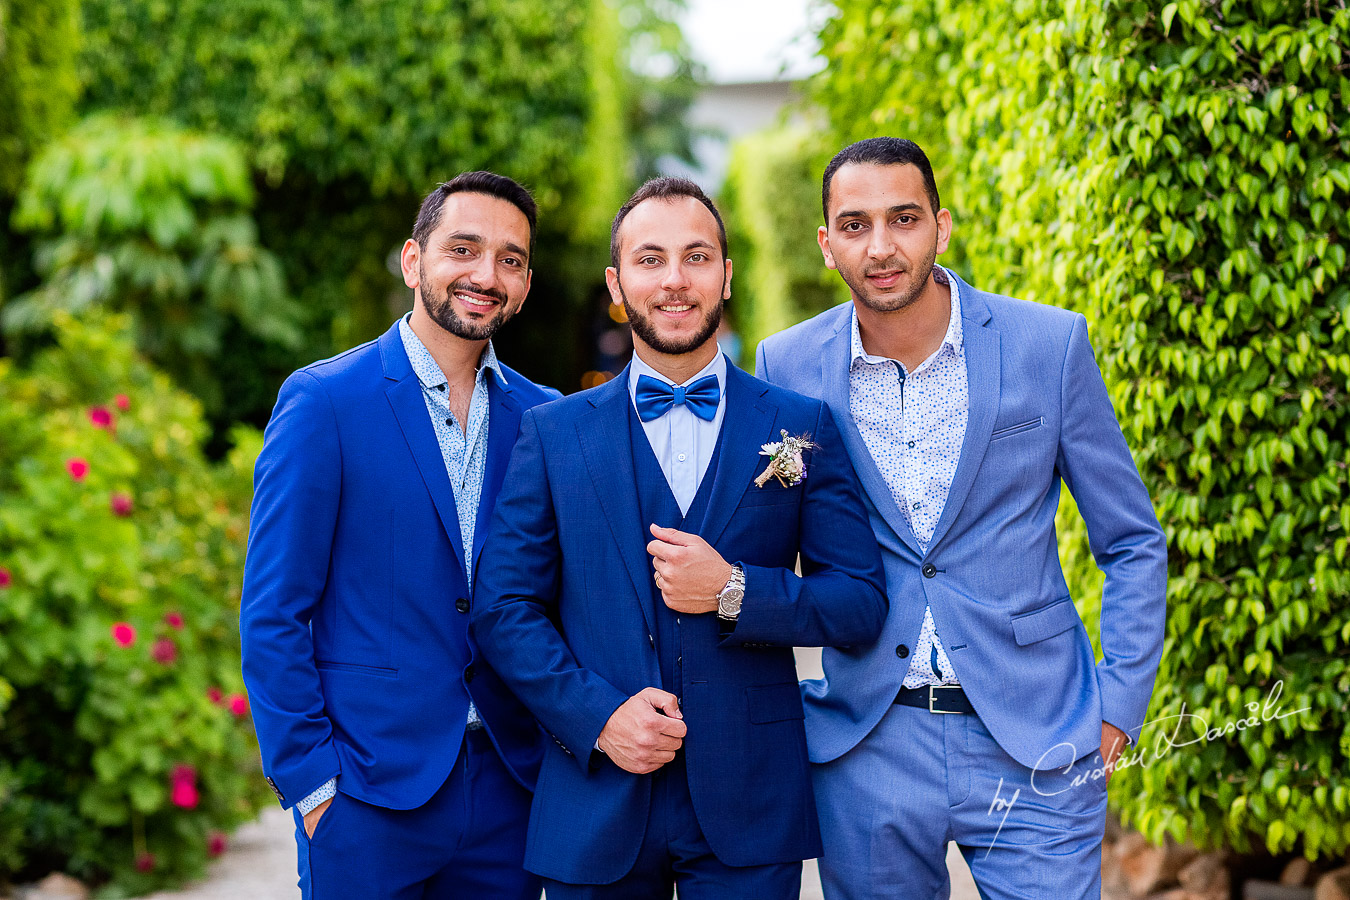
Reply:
x=145, y=862
x=216, y=843
x=214, y=694
x=100, y=416
x=238, y=704
x=164, y=651
x=183, y=786
x=124, y=634
x=5, y=578
x=121, y=504
x=175, y=620
x=123, y=402
x=77, y=468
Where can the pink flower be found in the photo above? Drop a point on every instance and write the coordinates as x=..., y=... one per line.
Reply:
x=238, y=704
x=145, y=862
x=183, y=786
x=216, y=843
x=121, y=504
x=5, y=578
x=100, y=416
x=174, y=619
x=77, y=468
x=124, y=634
x=123, y=402
x=214, y=695
x=164, y=651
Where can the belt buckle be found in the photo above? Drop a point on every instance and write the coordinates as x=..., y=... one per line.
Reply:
x=932, y=695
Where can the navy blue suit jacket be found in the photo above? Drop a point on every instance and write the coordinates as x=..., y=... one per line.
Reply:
x=354, y=617
x=567, y=618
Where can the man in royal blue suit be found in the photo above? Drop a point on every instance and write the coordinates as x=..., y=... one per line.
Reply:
x=649, y=610
x=981, y=716
x=409, y=762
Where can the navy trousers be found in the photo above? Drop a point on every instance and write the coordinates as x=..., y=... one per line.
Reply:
x=675, y=854
x=467, y=841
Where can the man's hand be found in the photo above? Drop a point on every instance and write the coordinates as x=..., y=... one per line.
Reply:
x=1113, y=743
x=644, y=733
x=314, y=815
x=689, y=572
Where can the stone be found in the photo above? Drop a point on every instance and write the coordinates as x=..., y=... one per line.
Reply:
x=1297, y=872
x=1335, y=885
x=1148, y=869
x=1207, y=876
x=1273, y=890
x=55, y=886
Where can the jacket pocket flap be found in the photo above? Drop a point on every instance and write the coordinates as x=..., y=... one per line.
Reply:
x=1045, y=622
x=774, y=702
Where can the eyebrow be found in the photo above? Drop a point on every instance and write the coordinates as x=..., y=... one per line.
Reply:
x=518, y=250
x=648, y=247
x=858, y=213
x=469, y=237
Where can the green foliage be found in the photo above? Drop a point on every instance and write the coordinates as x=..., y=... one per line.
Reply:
x=1180, y=175
x=771, y=202
x=38, y=82
x=109, y=515
x=140, y=216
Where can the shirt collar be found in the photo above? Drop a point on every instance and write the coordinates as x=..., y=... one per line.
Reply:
x=718, y=367
x=954, y=337
x=425, y=367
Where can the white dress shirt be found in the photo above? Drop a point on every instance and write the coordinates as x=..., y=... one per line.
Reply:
x=683, y=443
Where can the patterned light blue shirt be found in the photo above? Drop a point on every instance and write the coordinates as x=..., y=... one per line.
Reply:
x=465, y=453
x=914, y=424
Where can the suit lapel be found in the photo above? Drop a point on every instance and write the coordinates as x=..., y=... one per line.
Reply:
x=405, y=397
x=503, y=429
x=836, y=361
x=983, y=370
x=746, y=426
x=603, y=436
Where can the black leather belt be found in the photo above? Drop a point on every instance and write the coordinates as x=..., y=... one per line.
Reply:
x=947, y=699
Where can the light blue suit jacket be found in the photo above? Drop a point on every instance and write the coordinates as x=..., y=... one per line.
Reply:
x=1039, y=414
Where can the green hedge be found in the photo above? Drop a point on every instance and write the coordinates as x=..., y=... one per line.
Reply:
x=1180, y=173
x=126, y=749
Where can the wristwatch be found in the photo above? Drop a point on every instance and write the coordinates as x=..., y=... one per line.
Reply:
x=730, y=597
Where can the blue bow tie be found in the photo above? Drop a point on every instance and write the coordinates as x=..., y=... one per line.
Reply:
x=655, y=398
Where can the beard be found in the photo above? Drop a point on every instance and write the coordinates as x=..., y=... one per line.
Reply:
x=643, y=328
x=857, y=283
x=442, y=311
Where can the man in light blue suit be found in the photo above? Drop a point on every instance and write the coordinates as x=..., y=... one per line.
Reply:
x=648, y=608
x=409, y=763
x=981, y=715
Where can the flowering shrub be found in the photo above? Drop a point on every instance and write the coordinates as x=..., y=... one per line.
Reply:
x=126, y=750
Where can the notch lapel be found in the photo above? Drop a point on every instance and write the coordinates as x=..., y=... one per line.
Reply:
x=503, y=429
x=746, y=426
x=835, y=362
x=603, y=436
x=983, y=385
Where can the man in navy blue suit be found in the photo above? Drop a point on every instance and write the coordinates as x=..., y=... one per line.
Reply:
x=409, y=763
x=648, y=607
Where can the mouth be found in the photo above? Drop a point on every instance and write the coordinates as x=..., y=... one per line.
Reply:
x=676, y=310
x=885, y=279
x=476, y=302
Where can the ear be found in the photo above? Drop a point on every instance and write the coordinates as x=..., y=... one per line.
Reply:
x=726, y=283
x=612, y=282
x=408, y=259
x=944, y=229
x=823, y=239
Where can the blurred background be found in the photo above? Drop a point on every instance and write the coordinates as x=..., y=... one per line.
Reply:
x=199, y=196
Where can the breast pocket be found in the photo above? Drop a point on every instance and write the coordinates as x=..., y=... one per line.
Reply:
x=1020, y=428
x=772, y=494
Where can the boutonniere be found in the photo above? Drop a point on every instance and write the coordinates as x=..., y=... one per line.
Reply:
x=785, y=460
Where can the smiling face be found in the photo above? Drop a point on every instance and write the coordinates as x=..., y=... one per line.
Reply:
x=473, y=274
x=671, y=277
x=882, y=235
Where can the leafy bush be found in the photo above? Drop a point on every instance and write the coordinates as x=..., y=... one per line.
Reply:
x=143, y=217
x=126, y=750
x=38, y=83
x=1180, y=174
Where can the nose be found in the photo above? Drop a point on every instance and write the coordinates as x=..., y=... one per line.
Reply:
x=673, y=279
x=485, y=271
x=881, y=244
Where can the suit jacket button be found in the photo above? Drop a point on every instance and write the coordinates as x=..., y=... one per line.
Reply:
x=902, y=651
x=468, y=674
x=462, y=604
x=929, y=570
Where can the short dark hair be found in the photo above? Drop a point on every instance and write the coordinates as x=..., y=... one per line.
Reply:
x=667, y=187
x=881, y=151
x=429, y=215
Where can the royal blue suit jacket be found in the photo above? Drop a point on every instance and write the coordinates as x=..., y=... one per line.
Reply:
x=355, y=607
x=1039, y=415
x=569, y=624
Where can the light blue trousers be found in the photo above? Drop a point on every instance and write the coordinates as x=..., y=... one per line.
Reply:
x=889, y=807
